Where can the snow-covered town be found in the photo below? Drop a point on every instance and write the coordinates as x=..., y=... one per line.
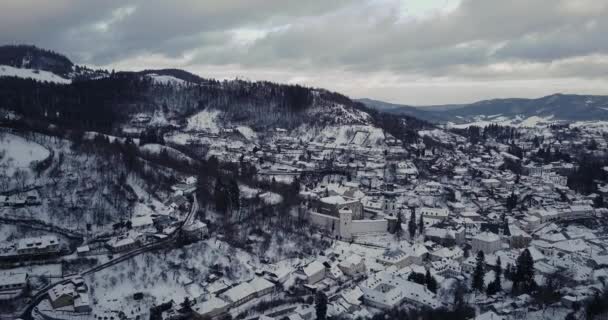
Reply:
x=496, y=222
x=249, y=191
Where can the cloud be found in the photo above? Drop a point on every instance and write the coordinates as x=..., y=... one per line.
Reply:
x=456, y=41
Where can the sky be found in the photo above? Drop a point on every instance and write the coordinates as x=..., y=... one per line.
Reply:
x=417, y=52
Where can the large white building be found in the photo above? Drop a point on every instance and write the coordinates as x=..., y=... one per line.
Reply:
x=343, y=218
x=386, y=291
x=487, y=242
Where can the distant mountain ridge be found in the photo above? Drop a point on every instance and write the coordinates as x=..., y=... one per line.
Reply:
x=567, y=107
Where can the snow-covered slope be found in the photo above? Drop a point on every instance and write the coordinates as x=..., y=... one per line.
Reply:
x=166, y=79
x=39, y=75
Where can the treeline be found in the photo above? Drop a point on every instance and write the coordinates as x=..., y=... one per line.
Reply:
x=402, y=127
x=88, y=105
x=476, y=134
x=589, y=172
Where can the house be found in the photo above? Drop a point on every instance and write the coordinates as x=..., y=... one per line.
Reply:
x=12, y=284
x=196, y=230
x=434, y=213
x=210, y=307
x=547, y=215
x=487, y=242
x=519, y=238
x=122, y=243
x=314, y=272
x=247, y=291
x=446, y=236
x=394, y=257
x=447, y=268
x=353, y=265
x=38, y=245
x=83, y=250
x=331, y=206
x=142, y=223
x=82, y=303
x=455, y=253
x=62, y=295
x=490, y=315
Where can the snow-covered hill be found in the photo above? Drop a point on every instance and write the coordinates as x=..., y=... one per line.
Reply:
x=39, y=75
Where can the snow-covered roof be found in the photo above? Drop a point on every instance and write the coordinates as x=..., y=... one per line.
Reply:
x=8, y=278
x=487, y=237
x=37, y=242
x=313, y=268
x=333, y=200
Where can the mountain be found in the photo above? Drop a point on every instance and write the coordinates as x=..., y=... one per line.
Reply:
x=566, y=107
x=401, y=109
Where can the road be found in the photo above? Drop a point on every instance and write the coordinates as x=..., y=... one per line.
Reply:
x=27, y=313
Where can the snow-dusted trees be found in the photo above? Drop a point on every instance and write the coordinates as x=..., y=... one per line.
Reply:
x=523, y=279
x=479, y=273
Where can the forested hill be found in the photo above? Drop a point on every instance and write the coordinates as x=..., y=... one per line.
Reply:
x=106, y=103
x=31, y=57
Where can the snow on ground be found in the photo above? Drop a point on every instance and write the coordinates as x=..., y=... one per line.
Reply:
x=204, y=121
x=248, y=192
x=517, y=121
x=533, y=121
x=156, y=149
x=90, y=135
x=247, y=132
x=40, y=75
x=158, y=119
x=334, y=136
x=593, y=125
x=271, y=198
x=482, y=121
x=164, y=79
x=171, y=275
x=18, y=153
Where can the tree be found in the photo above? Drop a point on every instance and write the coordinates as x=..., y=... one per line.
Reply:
x=418, y=278
x=321, y=305
x=234, y=195
x=220, y=196
x=523, y=279
x=430, y=281
x=598, y=202
x=511, y=201
x=479, y=272
x=186, y=305
x=496, y=286
x=411, y=226
x=421, y=225
x=399, y=227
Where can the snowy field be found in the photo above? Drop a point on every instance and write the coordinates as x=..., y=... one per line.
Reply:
x=40, y=75
x=204, y=121
x=164, y=79
x=18, y=153
x=171, y=275
x=517, y=121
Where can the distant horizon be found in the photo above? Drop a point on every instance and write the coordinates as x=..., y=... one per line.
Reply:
x=419, y=52
x=475, y=101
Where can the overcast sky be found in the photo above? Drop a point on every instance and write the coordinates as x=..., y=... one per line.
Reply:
x=404, y=51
